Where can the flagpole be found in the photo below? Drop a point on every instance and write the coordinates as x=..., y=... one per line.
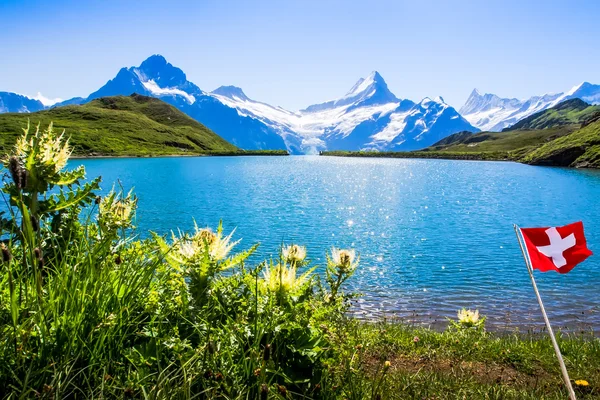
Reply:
x=563, y=368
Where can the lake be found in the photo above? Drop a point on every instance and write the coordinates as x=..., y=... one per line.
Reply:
x=433, y=235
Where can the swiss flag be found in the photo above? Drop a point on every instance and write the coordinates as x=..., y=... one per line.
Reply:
x=557, y=249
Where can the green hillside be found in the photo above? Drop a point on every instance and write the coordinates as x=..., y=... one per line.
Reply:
x=121, y=126
x=571, y=112
x=512, y=143
x=579, y=149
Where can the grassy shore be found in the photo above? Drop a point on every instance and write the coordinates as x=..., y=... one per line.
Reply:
x=90, y=310
x=445, y=155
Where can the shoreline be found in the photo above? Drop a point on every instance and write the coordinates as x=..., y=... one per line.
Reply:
x=102, y=156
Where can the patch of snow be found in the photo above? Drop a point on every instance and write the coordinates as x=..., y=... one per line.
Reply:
x=156, y=90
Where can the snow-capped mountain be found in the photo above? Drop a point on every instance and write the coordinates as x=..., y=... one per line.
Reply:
x=13, y=102
x=158, y=78
x=489, y=112
x=369, y=116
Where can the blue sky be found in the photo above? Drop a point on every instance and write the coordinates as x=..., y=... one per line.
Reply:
x=296, y=53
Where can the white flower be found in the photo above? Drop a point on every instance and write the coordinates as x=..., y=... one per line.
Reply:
x=204, y=241
x=468, y=317
x=294, y=253
x=343, y=259
x=52, y=151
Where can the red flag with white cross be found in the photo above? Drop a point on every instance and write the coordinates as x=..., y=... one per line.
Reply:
x=557, y=249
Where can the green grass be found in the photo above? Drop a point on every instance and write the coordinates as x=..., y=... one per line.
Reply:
x=121, y=126
x=579, y=149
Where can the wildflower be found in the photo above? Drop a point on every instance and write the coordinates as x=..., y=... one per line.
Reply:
x=468, y=317
x=203, y=242
x=257, y=372
x=6, y=255
x=359, y=347
x=387, y=364
x=17, y=171
x=217, y=246
x=284, y=278
x=582, y=382
x=282, y=390
x=116, y=211
x=416, y=339
x=51, y=152
x=294, y=253
x=343, y=259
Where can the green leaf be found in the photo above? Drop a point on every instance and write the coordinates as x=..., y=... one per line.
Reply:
x=80, y=196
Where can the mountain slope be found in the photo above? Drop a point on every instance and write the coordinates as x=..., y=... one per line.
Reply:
x=492, y=113
x=579, y=149
x=574, y=111
x=12, y=102
x=118, y=126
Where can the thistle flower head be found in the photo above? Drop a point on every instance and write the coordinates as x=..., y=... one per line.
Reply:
x=116, y=211
x=203, y=241
x=51, y=151
x=344, y=260
x=468, y=317
x=281, y=278
x=293, y=253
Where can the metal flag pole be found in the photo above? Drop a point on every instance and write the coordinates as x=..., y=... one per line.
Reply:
x=563, y=368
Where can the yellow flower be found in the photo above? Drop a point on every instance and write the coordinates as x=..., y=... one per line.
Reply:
x=52, y=151
x=284, y=278
x=344, y=259
x=294, y=253
x=582, y=382
x=468, y=317
x=203, y=241
x=387, y=364
x=115, y=212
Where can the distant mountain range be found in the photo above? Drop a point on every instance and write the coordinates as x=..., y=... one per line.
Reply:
x=489, y=112
x=369, y=116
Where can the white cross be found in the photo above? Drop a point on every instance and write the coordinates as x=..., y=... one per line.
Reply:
x=557, y=247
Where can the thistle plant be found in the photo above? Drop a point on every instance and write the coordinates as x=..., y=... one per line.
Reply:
x=468, y=320
x=116, y=211
x=283, y=280
x=341, y=265
x=200, y=256
x=293, y=254
x=36, y=165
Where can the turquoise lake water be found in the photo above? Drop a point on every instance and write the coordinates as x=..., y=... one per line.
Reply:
x=433, y=235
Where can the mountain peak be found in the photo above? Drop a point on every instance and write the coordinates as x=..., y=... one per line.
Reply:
x=475, y=93
x=231, y=92
x=155, y=60
x=375, y=76
x=157, y=68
